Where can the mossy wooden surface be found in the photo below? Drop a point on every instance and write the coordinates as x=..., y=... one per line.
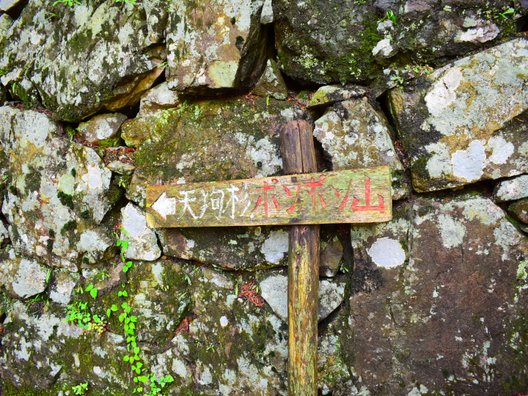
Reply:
x=347, y=196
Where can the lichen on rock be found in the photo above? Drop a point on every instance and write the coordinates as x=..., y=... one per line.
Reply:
x=76, y=64
x=466, y=121
x=214, y=45
x=443, y=286
x=56, y=202
x=355, y=136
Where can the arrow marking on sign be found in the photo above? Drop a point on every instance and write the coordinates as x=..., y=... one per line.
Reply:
x=165, y=206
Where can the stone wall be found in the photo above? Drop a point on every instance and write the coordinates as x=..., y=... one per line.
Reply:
x=102, y=98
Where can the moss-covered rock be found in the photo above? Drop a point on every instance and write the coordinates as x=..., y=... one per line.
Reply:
x=215, y=44
x=79, y=59
x=207, y=141
x=352, y=41
x=59, y=194
x=326, y=41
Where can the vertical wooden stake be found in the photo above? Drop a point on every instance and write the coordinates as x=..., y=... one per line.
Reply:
x=298, y=153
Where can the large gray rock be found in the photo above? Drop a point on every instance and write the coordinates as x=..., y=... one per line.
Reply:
x=101, y=127
x=22, y=277
x=215, y=44
x=142, y=241
x=511, y=190
x=47, y=353
x=211, y=355
x=467, y=121
x=441, y=286
x=274, y=290
x=158, y=98
x=233, y=248
x=80, y=59
x=355, y=136
x=59, y=192
x=351, y=41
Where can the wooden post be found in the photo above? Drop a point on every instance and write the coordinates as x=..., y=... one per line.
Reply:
x=298, y=153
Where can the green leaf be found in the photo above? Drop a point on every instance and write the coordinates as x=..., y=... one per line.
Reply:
x=126, y=358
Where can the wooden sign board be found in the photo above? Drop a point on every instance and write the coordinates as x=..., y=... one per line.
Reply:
x=346, y=196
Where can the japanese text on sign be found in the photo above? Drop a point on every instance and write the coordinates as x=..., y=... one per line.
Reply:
x=353, y=196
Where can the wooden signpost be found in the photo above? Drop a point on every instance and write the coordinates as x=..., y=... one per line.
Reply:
x=302, y=199
x=347, y=196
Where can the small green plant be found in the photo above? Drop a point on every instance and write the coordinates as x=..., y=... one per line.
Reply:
x=122, y=182
x=80, y=389
x=145, y=382
x=102, y=275
x=69, y=3
x=157, y=384
x=390, y=16
x=79, y=314
x=71, y=131
x=122, y=244
x=360, y=2
x=509, y=12
x=92, y=290
x=113, y=308
x=397, y=79
x=127, y=266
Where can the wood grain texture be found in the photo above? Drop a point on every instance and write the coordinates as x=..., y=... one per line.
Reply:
x=346, y=196
x=298, y=153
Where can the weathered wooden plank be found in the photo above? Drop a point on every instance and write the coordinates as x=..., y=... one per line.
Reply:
x=298, y=155
x=346, y=196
